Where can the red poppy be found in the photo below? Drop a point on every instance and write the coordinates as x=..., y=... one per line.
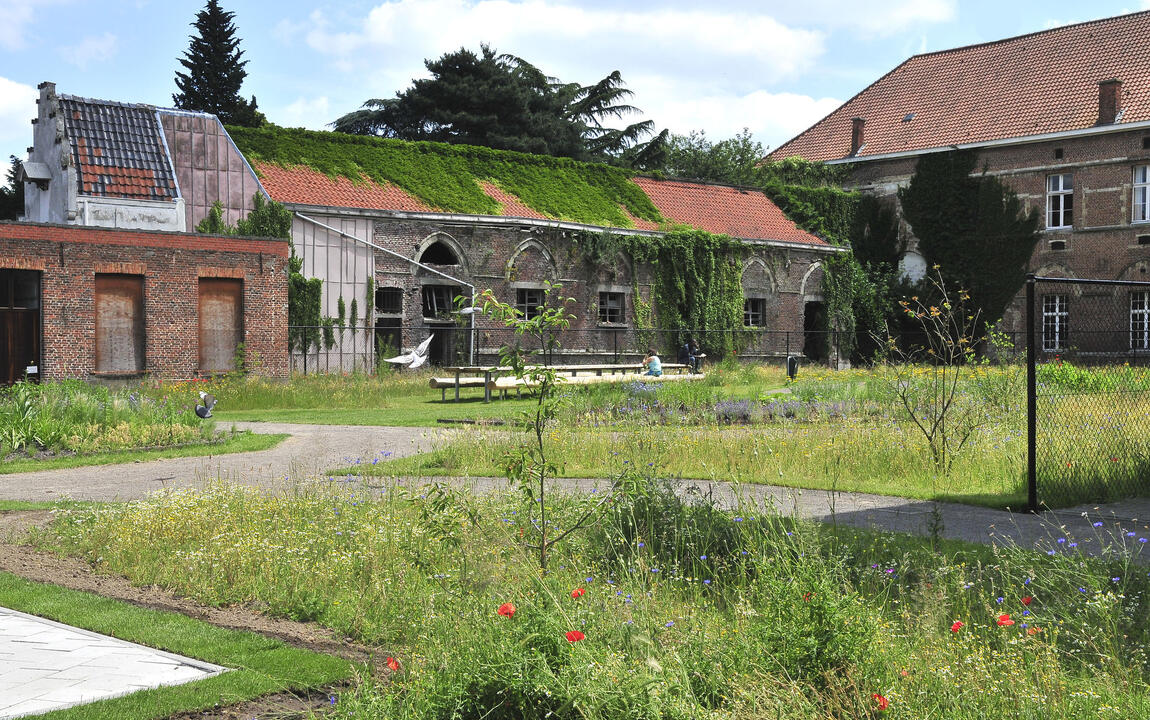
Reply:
x=1004, y=620
x=1026, y=600
x=507, y=610
x=393, y=664
x=958, y=624
x=578, y=592
x=807, y=596
x=574, y=636
x=880, y=702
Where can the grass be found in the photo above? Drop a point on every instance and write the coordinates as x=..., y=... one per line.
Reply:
x=261, y=665
x=846, y=429
x=233, y=443
x=682, y=611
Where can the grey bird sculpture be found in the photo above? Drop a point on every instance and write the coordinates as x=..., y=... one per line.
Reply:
x=209, y=402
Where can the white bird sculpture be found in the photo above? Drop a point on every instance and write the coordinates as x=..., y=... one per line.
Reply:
x=205, y=411
x=416, y=358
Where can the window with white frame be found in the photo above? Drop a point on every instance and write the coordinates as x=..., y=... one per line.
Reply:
x=1060, y=201
x=1054, y=322
x=1140, y=321
x=754, y=312
x=611, y=306
x=529, y=301
x=1142, y=193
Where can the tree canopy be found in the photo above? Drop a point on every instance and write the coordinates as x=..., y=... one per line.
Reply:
x=215, y=70
x=505, y=102
x=734, y=161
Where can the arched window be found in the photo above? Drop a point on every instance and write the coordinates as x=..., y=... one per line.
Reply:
x=439, y=253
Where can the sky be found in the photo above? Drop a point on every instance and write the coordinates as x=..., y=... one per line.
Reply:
x=773, y=67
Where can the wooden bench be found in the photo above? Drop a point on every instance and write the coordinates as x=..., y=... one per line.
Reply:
x=503, y=384
x=495, y=377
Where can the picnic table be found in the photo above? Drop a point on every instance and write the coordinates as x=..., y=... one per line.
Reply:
x=493, y=377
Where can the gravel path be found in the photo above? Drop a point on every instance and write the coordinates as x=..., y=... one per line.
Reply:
x=310, y=451
x=314, y=449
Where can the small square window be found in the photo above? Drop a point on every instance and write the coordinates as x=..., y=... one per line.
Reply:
x=1057, y=153
x=754, y=312
x=1146, y=143
x=529, y=301
x=611, y=307
x=389, y=301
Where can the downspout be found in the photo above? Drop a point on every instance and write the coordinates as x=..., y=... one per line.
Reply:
x=341, y=233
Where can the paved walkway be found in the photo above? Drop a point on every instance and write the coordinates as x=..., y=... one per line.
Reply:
x=48, y=666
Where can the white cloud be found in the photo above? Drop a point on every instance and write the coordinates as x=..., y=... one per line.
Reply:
x=576, y=44
x=313, y=113
x=15, y=15
x=773, y=118
x=17, y=108
x=872, y=18
x=94, y=48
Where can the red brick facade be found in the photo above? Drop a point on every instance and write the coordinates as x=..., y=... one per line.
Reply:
x=1103, y=240
x=171, y=264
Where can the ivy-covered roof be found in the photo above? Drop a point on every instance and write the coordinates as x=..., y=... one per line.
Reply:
x=334, y=169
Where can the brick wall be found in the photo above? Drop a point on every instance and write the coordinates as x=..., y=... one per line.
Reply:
x=1103, y=242
x=505, y=258
x=171, y=263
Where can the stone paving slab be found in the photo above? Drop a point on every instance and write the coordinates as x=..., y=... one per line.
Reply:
x=45, y=666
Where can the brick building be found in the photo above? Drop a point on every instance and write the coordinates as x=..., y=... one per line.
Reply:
x=385, y=244
x=1063, y=117
x=103, y=303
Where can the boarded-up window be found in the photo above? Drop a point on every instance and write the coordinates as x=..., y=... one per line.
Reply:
x=119, y=323
x=221, y=323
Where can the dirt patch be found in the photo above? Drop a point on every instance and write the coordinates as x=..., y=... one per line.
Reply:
x=74, y=574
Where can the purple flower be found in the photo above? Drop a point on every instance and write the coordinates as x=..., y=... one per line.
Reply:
x=1098, y=524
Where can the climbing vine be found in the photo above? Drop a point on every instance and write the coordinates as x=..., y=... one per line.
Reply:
x=697, y=283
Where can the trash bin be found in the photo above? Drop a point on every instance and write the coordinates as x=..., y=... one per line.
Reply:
x=792, y=367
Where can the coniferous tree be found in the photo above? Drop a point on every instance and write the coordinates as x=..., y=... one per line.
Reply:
x=12, y=194
x=215, y=70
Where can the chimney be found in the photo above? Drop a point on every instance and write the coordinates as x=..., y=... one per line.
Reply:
x=1109, y=101
x=858, y=125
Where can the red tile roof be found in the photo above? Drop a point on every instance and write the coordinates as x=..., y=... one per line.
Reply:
x=725, y=210
x=1033, y=84
x=721, y=209
x=118, y=149
x=304, y=186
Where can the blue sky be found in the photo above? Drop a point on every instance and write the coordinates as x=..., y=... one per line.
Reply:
x=773, y=67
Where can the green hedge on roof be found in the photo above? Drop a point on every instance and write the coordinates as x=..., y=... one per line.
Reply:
x=447, y=177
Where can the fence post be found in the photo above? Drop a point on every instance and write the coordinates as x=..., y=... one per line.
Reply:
x=1031, y=402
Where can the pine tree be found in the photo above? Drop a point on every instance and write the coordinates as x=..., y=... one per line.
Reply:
x=12, y=194
x=215, y=70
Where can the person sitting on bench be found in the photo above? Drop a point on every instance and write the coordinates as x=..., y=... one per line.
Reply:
x=690, y=356
x=653, y=364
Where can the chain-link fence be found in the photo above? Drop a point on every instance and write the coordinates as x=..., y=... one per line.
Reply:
x=343, y=349
x=1088, y=378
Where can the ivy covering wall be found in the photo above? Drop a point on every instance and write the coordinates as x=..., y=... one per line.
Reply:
x=696, y=280
x=446, y=177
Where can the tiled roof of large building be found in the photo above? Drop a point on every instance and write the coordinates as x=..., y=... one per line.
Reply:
x=724, y=210
x=1045, y=82
x=304, y=186
x=118, y=149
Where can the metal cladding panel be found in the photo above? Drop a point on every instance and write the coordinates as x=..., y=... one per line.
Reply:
x=221, y=323
x=119, y=323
